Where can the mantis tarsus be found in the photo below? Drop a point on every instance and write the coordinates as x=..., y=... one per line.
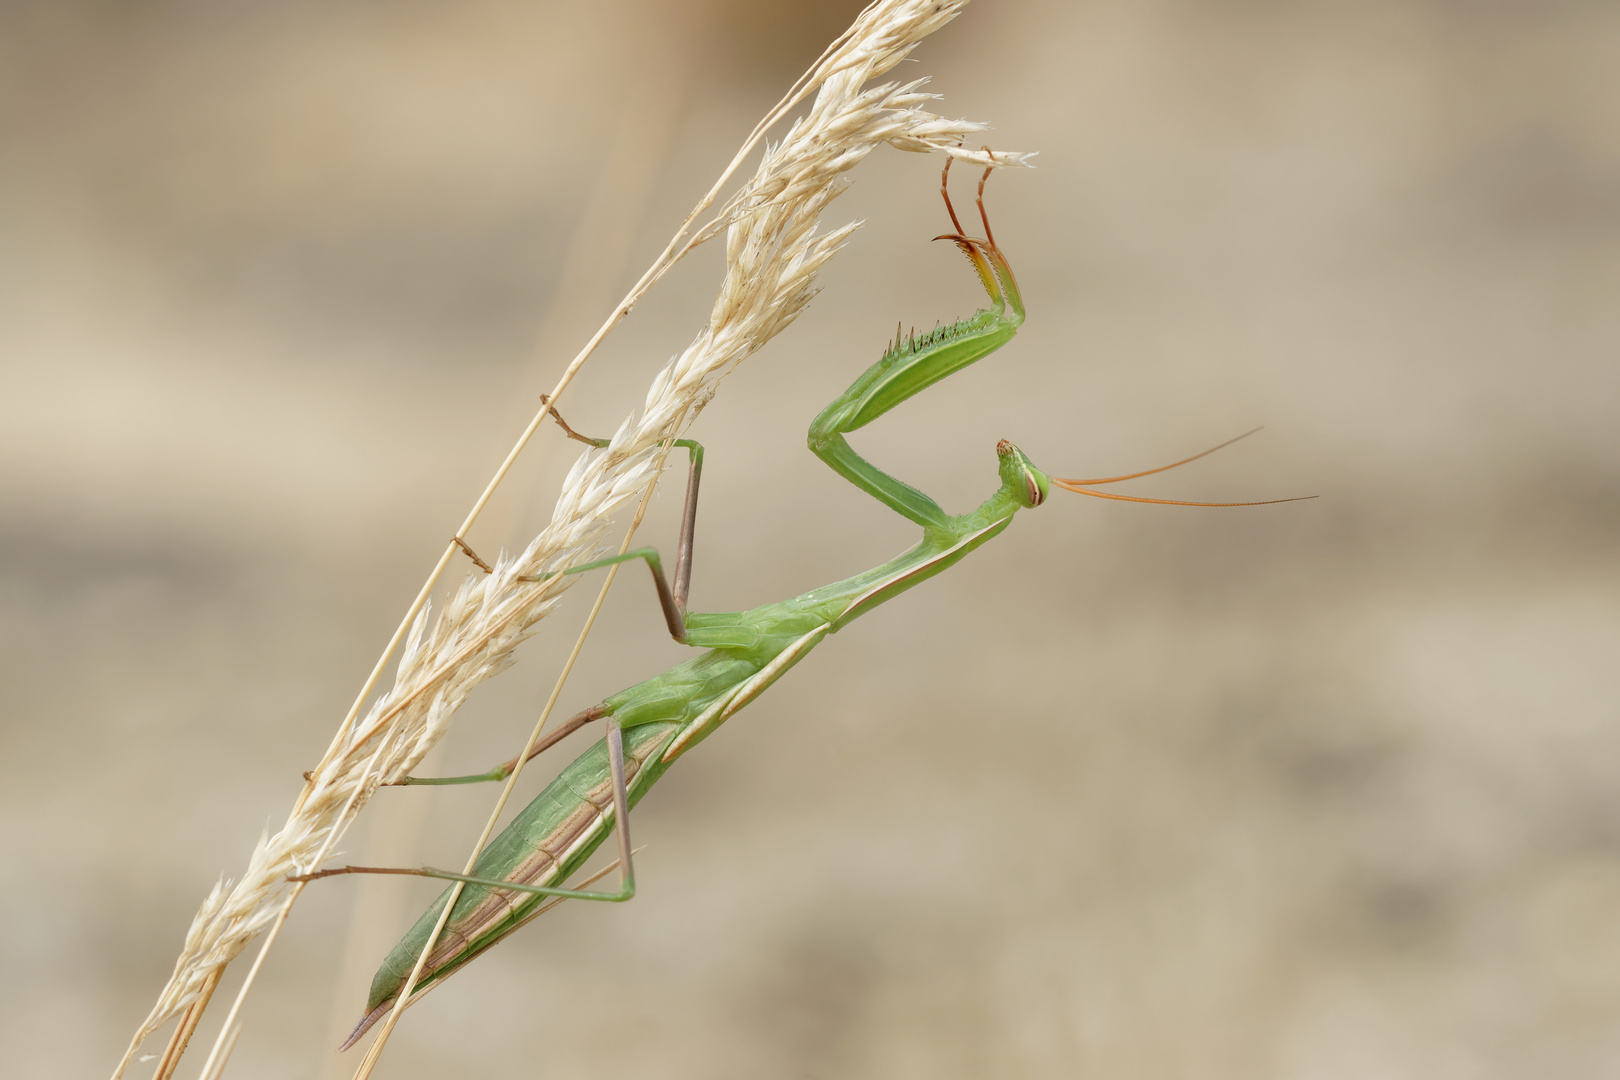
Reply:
x=653, y=723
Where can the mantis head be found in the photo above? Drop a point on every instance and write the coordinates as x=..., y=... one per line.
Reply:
x=1028, y=484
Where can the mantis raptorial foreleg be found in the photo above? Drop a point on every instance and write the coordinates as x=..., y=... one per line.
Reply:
x=914, y=364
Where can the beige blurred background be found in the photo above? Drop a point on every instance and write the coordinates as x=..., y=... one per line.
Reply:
x=1321, y=790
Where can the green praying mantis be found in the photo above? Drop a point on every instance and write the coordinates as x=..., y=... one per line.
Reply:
x=653, y=723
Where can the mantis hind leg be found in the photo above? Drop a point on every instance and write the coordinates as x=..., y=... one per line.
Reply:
x=621, y=831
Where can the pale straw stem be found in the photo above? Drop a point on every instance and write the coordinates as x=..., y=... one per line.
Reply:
x=214, y=1067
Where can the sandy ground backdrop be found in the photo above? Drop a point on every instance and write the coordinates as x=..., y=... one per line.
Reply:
x=1322, y=790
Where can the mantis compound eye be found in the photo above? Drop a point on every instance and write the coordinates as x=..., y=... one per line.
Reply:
x=1036, y=486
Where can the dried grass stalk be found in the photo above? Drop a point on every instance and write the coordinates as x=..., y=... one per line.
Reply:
x=773, y=254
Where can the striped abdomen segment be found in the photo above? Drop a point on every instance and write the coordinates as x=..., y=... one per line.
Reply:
x=543, y=845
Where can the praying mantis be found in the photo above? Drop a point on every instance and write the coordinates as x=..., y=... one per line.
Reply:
x=650, y=725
